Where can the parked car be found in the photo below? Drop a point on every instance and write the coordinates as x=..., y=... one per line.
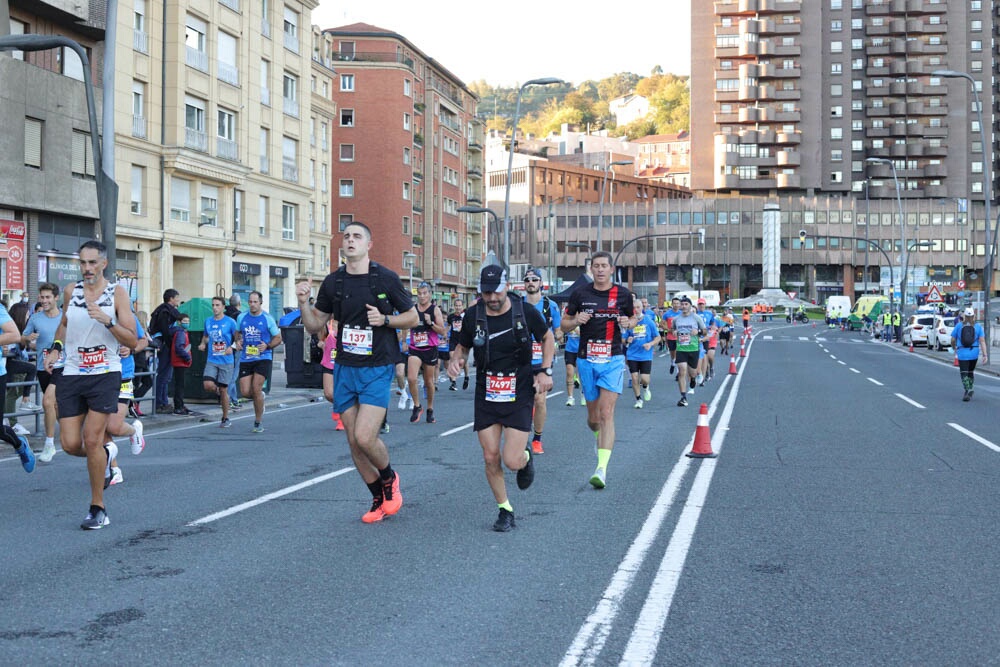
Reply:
x=916, y=328
x=939, y=336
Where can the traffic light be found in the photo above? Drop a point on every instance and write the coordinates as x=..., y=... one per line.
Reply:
x=802, y=235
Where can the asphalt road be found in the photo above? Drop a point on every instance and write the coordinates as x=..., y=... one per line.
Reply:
x=847, y=520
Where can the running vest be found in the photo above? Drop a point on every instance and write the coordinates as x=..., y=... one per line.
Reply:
x=91, y=349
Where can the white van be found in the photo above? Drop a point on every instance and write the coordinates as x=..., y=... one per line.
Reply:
x=837, y=306
x=711, y=296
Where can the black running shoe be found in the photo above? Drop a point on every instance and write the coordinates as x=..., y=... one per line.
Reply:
x=465, y=383
x=415, y=414
x=672, y=369
x=526, y=475
x=430, y=416
x=452, y=386
x=683, y=402
x=96, y=519
x=693, y=382
x=504, y=522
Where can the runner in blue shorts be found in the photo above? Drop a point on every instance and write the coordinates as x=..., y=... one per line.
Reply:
x=601, y=310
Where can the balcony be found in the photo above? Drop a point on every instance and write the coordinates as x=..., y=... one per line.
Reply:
x=418, y=241
x=229, y=74
x=475, y=227
x=788, y=181
x=196, y=59
x=789, y=158
x=139, y=127
x=915, y=149
x=289, y=171
x=195, y=140
x=417, y=208
x=140, y=41
x=227, y=149
x=475, y=172
x=936, y=171
x=291, y=42
x=793, y=138
x=474, y=200
x=290, y=107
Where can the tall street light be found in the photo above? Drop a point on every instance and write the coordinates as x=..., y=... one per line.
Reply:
x=909, y=248
x=902, y=229
x=547, y=81
x=987, y=193
x=481, y=209
x=600, y=209
x=410, y=258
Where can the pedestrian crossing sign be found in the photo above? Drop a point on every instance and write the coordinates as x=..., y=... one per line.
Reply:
x=934, y=295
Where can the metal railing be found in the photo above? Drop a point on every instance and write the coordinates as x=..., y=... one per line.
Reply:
x=195, y=58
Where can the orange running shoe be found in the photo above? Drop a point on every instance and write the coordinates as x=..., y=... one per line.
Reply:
x=536, y=446
x=375, y=513
x=392, y=498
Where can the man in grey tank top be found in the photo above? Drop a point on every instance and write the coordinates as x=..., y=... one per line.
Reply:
x=97, y=318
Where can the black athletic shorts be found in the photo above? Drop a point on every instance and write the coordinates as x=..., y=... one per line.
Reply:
x=725, y=335
x=642, y=367
x=569, y=358
x=78, y=394
x=259, y=367
x=689, y=358
x=427, y=356
x=444, y=355
x=46, y=378
x=672, y=344
x=516, y=415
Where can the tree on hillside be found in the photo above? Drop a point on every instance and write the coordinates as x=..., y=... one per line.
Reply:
x=617, y=85
x=671, y=107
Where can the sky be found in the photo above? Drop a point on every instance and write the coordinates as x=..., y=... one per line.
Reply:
x=510, y=42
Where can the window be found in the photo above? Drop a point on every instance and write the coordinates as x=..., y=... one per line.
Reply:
x=836, y=90
x=836, y=68
x=836, y=25
x=288, y=215
x=346, y=187
x=312, y=130
x=347, y=83
x=32, y=143
x=976, y=45
x=406, y=155
x=857, y=145
x=209, y=205
x=407, y=87
x=312, y=174
x=836, y=155
x=265, y=21
x=322, y=217
x=237, y=210
x=406, y=122
x=291, y=30
x=138, y=109
x=290, y=159
x=227, y=50
x=82, y=158
x=180, y=199
x=72, y=66
x=265, y=143
x=836, y=111
x=406, y=191
x=344, y=220
x=312, y=216
x=347, y=117
x=194, y=123
x=138, y=181
x=836, y=133
x=858, y=44
x=262, y=206
x=140, y=40
x=265, y=83
x=194, y=43
x=347, y=152
x=322, y=135
x=323, y=180
x=836, y=47
x=290, y=94
x=227, y=134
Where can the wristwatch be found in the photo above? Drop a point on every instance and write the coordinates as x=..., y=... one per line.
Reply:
x=386, y=320
x=110, y=324
x=547, y=371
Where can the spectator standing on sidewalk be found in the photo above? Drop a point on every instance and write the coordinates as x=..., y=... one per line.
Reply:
x=180, y=359
x=163, y=318
x=969, y=342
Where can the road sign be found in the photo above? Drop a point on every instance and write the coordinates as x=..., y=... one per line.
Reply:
x=934, y=295
x=960, y=284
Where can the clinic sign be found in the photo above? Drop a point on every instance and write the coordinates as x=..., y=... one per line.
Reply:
x=12, y=239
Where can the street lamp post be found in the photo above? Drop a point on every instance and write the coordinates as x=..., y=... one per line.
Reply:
x=481, y=209
x=868, y=222
x=600, y=208
x=410, y=259
x=987, y=194
x=902, y=228
x=547, y=81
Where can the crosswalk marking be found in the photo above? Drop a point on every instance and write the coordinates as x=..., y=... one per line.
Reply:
x=803, y=337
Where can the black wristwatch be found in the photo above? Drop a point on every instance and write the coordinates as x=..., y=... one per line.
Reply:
x=547, y=371
x=110, y=324
x=386, y=320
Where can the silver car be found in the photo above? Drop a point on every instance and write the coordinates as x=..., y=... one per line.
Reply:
x=916, y=328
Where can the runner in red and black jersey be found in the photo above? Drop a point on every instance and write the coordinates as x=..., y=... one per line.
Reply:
x=454, y=327
x=601, y=310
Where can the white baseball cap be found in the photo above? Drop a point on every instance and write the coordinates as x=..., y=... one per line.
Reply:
x=969, y=312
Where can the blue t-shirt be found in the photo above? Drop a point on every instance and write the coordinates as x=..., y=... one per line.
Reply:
x=4, y=319
x=256, y=329
x=45, y=327
x=573, y=341
x=128, y=363
x=536, y=359
x=643, y=332
x=219, y=337
x=966, y=353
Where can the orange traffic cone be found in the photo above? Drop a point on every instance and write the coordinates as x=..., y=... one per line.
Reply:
x=743, y=350
x=911, y=346
x=956, y=361
x=732, y=365
x=702, y=448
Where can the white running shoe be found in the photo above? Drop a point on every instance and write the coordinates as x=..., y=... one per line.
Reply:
x=116, y=476
x=409, y=403
x=28, y=406
x=48, y=451
x=570, y=401
x=700, y=380
x=137, y=440
x=638, y=404
x=20, y=430
x=401, y=405
x=647, y=395
x=583, y=401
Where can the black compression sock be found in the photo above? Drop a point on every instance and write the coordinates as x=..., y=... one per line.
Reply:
x=376, y=488
x=386, y=474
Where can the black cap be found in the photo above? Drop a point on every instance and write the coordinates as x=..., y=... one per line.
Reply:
x=685, y=299
x=491, y=278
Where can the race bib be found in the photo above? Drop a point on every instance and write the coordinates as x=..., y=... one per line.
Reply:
x=419, y=339
x=456, y=325
x=126, y=390
x=333, y=353
x=639, y=331
x=683, y=338
x=358, y=341
x=599, y=351
x=219, y=347
x=92, y=359
x=501, y=388
x=536, y=353
x=252, y=350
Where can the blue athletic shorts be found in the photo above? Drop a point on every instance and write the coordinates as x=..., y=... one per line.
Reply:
x=594, y=377
x=370, y=385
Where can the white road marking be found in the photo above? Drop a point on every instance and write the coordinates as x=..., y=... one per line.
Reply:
x=833, y=357
x=822, y=340
x=768, y=337
x=981, y=440
x=910, y=401
x=803, y=337
x=456, y=430
x=841, y=363
x=269, y=497
x=855, y=370
x=873, y=381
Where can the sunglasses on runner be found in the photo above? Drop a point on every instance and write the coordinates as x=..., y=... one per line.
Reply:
x=532, y=280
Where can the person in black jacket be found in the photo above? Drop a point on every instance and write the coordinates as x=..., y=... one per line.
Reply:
x=162, y=319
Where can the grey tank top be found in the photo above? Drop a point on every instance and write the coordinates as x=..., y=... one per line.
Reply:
x=91, y=349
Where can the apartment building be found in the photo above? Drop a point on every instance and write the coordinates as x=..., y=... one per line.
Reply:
x=409, y=153
x=804, y=94
x=665, y=158
x=48, y=196
x=214, y=114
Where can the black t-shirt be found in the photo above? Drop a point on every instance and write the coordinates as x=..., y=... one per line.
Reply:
x=355, y=335
x=604, y=307
x=454, y=326
x=503, y=349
